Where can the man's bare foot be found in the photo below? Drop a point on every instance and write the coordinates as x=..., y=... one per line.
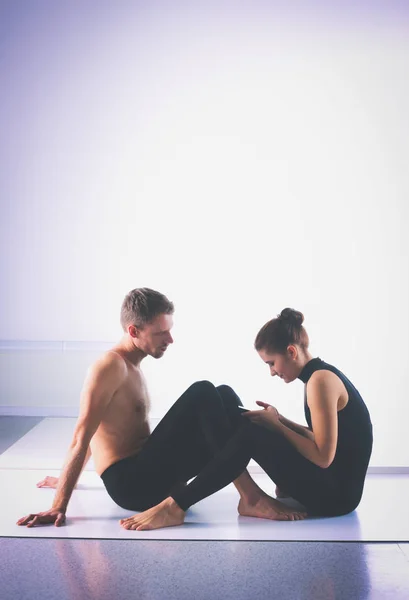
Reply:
x=269, y=508
x=165, y=514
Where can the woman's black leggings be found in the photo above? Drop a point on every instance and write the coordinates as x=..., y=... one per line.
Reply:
x=204, y=436
x=190, y=435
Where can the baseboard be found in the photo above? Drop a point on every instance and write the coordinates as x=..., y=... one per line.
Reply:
x=39, y=411
x=54, y=345
x=254, y=468
x=48, y=411
x=72, y=412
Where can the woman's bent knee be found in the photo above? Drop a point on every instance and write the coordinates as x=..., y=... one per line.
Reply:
x=225, y=388
x=228, y=393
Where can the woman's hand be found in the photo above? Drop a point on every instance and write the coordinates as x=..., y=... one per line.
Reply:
x=268, y=417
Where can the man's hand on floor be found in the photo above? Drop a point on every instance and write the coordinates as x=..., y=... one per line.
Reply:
x=49, y=482
x=44, y=518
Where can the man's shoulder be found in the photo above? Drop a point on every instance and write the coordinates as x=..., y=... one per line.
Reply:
x=110, y=362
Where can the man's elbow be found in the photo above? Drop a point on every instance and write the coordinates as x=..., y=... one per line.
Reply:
x=79, y=444
x=81, y=438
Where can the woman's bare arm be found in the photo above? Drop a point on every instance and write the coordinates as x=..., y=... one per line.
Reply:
x=300, y=429
x=323, y=394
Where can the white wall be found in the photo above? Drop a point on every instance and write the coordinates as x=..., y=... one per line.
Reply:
x=239, y=157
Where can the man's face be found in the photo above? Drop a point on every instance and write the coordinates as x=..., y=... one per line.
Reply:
x=155, y=337
x=281, y=365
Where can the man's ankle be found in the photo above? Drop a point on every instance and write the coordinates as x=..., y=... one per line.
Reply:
x=250, y=498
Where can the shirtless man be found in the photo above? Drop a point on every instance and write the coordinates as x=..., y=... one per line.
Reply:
x=140, y=468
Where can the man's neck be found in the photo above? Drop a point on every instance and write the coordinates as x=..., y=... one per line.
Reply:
x=128, y=350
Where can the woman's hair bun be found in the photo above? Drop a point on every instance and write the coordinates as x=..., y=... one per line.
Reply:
x=291, y=316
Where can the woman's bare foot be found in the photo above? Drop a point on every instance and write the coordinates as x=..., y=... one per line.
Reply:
x=165, y=514
x=266, y=507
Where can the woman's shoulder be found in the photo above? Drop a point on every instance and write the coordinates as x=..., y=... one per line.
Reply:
x=324, y=379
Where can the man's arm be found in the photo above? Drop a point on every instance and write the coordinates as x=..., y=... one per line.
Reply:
x=101, y=384
x=51, y=482
x=104, y=378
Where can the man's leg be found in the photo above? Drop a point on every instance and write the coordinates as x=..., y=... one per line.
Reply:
x=201, y=409
x=194, y=429
x=214, y=425
x=225, y=468
x=249, y=491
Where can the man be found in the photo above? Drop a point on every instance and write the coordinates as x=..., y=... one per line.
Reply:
x=140, y=468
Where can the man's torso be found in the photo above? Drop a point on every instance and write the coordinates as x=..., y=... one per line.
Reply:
x=124, y=427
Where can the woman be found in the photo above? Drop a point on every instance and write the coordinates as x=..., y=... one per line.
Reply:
x=323, y=466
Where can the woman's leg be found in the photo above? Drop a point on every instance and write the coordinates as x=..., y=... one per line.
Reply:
x=318, y=489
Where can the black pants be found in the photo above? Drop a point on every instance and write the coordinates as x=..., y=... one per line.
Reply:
x=321, y=491
x=204, y=436
x=190, y=435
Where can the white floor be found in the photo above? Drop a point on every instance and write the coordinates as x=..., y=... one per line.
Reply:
x=45, y=446
x=381, y=517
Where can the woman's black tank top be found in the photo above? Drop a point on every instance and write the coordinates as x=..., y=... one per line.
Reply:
x=354, y=444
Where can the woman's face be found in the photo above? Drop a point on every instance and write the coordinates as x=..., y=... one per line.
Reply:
x=282, y=365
